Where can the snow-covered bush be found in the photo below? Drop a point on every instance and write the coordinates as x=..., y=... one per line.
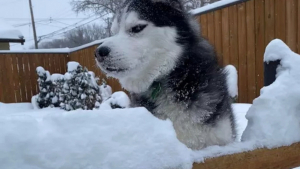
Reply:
x=76, y=89
x=46, y=87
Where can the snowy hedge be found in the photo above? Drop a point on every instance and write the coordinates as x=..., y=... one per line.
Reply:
x=77, y=89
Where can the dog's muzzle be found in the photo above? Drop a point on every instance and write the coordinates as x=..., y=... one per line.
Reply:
x=101, y=53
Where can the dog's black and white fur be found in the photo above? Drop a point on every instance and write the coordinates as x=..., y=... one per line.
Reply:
x=158, y=55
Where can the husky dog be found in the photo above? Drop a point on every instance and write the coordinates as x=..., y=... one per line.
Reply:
x=158, y=55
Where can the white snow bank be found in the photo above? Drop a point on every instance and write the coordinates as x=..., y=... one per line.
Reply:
x=106, y=91
x=274, y=118
x=118, y=98
x=240, y=110
x=124, y=138
x=9, y=32
x=14, y=108
x=232, y=80
x=212, y=6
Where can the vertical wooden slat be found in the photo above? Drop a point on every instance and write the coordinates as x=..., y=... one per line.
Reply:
x=211, y=28
x=298, y=27
x=203, y=23
x=218, y=35
x=260, y=42
x=291, y=23
x=2, y=78
x=251, y=70
x=280, y=21
x=225, y=36
x=21, y=78
x=15, y=76
x=269, y=21
x=242, y=55
x=27, y=80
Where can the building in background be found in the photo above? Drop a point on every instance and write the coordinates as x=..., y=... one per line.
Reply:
x=9, y=34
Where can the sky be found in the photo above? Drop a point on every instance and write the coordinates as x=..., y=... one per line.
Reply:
x=50, y=16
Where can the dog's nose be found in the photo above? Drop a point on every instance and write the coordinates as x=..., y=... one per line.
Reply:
x=102, y=51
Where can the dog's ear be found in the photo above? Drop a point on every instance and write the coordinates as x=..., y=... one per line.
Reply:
x=173, y=3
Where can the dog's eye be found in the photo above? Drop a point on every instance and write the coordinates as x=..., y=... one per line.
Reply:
x=138, y=28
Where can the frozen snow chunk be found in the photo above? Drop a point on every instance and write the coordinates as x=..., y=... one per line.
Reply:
x=232, y=80
x=72, y=66
x=115, y=139
x=117, y=100
x=274, y=117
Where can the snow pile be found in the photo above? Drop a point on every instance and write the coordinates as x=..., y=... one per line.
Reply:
x=240, y=110
x=9, y=32
x=117, y=100
x=123, y=138
x=274, y=118
x=72, y=66
x=232, y=80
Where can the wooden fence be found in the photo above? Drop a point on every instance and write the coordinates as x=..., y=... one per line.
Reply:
x=239, y=32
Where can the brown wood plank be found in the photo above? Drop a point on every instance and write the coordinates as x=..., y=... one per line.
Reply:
x=211, y=28
x=260, y=43
x=291, y=23
x=203, y=24
x=242, y=56
x=218, y=35
x=10, y=94
x=225, y=36
x=2, y=78
x=298, y=28
x=15, y=75
x=269, y=21
x=250, y=51
x=22, y=76
x=280, y=21
x=33, y=76
x=286, y=157
x=28, y=77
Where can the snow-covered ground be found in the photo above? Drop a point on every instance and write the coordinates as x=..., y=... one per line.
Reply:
x=132, y=137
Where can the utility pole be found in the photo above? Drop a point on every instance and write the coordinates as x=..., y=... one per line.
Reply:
x=33, y=25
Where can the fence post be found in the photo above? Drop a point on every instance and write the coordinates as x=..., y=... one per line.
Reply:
x=270, y=72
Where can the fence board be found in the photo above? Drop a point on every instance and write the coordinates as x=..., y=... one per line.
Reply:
x=285, y=157
x=242, y=54
x=225, y=36
x=204, y=27
x=291, y=23
x=251, y=69
x=280, y=19
x=15, y=75
x=260, y=42
x=28, y=90
x=211, y=26
x=218, y=35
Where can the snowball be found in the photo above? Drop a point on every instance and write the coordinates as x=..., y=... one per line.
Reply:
x=274, y=118
x=116, y=139
x=72, y=66
x=118, y=98
x=232, y=80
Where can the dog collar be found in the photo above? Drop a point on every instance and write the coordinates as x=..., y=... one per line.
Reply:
x=156, y=90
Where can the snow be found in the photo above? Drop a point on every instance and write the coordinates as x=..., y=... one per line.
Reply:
x=212, y=6
x=56, y=76
x=124, y=138
x=240, y=110
x=13, y=108
x=9, y=32
x=72, y=66
x=106, y=91
x=232, y=80
x=118, y=98
x=274, y=118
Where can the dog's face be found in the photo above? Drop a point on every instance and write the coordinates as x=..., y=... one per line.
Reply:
x=144, y=45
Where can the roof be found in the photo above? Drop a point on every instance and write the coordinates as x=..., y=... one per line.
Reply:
x=9, y=33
